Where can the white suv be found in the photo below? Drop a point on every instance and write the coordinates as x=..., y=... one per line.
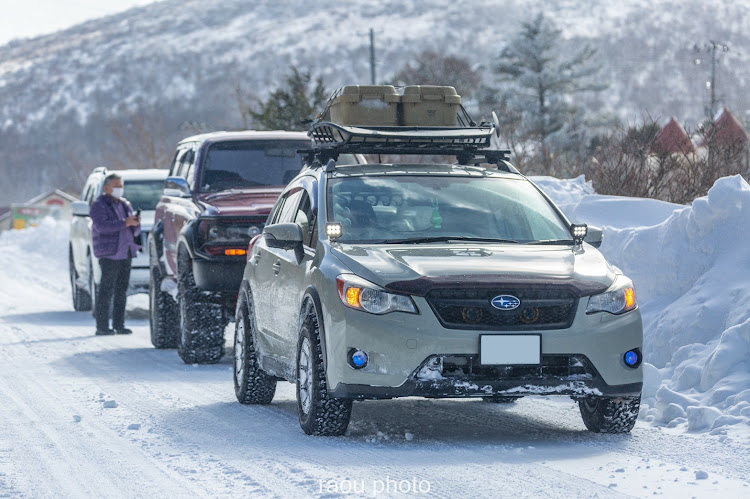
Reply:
x=143, y=188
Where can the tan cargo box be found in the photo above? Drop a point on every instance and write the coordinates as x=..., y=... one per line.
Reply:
x=373, y=105
x=428, y=105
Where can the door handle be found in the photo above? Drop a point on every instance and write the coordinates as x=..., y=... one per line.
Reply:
x=276, y=267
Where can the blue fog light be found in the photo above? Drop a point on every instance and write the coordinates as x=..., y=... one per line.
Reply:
x=358, y=359
x=632, y=358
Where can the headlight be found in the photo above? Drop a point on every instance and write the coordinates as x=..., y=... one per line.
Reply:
x=360, y=294
x=216, y=232
x=620, y=298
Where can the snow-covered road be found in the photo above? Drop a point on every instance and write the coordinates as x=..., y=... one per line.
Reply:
x=87, y=416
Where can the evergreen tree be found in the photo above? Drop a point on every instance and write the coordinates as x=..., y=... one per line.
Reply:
x=541, y=82
x=291, y=105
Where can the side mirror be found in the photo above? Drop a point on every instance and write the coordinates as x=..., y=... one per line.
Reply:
x=594, y=236
x=284, y=235
x=176, y=187
x=79, y=208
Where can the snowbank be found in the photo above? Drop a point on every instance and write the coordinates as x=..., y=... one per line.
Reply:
x=577, y=199
x=35, y=255
x=691, y=267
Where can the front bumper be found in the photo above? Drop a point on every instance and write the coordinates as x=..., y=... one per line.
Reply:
x=558, y=375
x=401, y=347
x=212, y=274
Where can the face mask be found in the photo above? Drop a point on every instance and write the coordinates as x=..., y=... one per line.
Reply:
x=117, y=192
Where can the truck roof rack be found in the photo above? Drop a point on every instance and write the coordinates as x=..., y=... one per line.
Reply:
x=468, y=143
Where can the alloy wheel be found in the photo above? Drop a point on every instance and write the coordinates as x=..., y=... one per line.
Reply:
x=239, y=350
x=304, y=376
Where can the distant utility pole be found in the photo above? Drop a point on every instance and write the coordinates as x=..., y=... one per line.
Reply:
x=712, y=46
x=372, y=55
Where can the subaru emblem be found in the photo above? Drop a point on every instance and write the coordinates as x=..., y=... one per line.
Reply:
x=505, y=302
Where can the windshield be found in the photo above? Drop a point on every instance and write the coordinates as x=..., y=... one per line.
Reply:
x=391, y=209
x=143, y=194
x=253, y=163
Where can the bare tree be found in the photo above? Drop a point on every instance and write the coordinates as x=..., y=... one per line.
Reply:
x=627, y=163
x=431, y=68
x=139, y=141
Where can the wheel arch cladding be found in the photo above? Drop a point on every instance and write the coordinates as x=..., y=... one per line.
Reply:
x=187, y=237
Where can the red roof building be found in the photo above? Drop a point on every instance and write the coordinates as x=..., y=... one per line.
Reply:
x=672, y=139
x=726, y=131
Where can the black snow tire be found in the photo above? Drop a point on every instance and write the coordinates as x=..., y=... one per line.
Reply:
x=500, y=399
x=609, y=414
x=325, y=415
x=163, y=319
x=202, y=321
x=81, y=298
x=252, y=385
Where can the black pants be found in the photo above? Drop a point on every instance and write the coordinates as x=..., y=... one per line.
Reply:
x=113, y=290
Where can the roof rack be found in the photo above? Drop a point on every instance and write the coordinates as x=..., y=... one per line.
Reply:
x=468, y=143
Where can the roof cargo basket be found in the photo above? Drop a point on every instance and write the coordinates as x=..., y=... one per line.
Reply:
x=372, y=119
x=399, y=140
x=468, y=144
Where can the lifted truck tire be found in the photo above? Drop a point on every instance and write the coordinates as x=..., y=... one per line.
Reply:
x=319, y=413
x=252, y=385
x=609, y=414
x=81, y=298
x=202, y=318
x=162, y=313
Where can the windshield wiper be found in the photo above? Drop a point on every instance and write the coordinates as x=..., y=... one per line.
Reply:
x=444, y=239
x=552, y=242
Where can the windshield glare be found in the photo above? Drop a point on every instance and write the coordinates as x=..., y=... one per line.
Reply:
x=143, y=194
x=391, y=208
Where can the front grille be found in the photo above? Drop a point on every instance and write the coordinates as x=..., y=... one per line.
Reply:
x=468, y=366
x=471, y=309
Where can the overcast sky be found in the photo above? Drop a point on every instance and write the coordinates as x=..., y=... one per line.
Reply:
x=29, y=18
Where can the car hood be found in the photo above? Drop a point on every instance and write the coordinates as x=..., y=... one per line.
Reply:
x=418, y=269
x=249, y=202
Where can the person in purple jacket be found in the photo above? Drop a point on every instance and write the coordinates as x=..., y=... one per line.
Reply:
x=115, y=232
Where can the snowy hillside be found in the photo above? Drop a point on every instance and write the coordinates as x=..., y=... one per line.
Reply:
x=176, y=63
x=76, y=406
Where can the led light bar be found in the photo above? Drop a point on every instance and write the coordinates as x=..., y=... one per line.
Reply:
x=334, y=230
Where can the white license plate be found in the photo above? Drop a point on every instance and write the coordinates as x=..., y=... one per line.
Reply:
x=510, y=349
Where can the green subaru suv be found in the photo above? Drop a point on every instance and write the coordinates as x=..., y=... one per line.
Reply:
x=376, y=281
